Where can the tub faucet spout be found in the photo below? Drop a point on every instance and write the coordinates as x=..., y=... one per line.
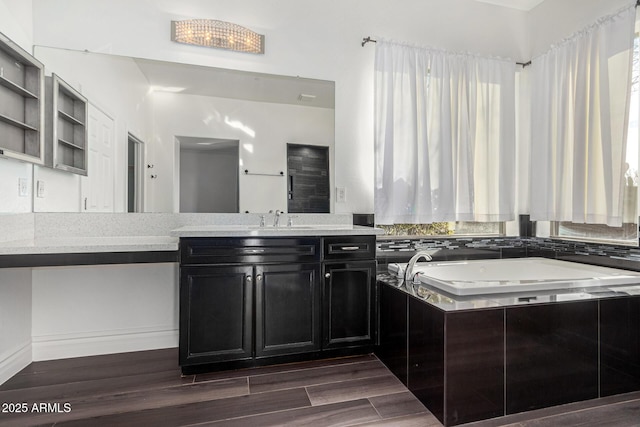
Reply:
x=408, y=272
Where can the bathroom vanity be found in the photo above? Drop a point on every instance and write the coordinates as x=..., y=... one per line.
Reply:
x=261, y=295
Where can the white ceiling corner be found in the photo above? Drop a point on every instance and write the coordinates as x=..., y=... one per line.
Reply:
x=525, y=5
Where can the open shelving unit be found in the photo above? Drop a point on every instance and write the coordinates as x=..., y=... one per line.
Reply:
x=66, y=124
x=21, y=104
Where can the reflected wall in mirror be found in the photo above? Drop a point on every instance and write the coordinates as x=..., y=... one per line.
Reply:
x=161, y=102
x=209, y=175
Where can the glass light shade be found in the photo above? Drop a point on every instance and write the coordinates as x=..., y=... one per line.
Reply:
x=217, y=34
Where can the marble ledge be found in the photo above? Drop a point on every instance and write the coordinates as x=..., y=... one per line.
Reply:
x=450, y=303
x=70, y=245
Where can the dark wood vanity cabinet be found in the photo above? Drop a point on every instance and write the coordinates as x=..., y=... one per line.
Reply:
x=253, y=301
x=248, y=298
x=216, y=305
x=349, y=296
x=287, y=314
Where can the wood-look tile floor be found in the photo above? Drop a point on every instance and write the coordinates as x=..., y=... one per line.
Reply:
x=146, y=389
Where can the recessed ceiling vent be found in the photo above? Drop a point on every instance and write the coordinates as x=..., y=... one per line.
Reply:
x=306, y=97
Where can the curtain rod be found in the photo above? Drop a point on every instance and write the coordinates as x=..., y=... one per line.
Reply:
x=368, y=39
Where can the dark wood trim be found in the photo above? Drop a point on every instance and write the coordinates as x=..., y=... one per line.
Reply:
x=93, y=258
x=276, y=360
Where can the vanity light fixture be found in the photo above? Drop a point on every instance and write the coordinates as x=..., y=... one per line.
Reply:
x=218, y=34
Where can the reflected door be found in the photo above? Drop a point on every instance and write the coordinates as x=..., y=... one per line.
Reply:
x=98, y=185
x=308, y=187
x=135, y=176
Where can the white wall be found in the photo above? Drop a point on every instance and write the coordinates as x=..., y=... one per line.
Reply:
x=210, y=183
x=263, y=142
x=11, y=171
x=15, y=321
x=553, y=21
x=15, y=23
x=88, y=310
x=15, y=284
x=311, y=39
x=117, y=87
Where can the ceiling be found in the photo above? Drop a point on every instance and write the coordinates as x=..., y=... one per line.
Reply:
x=234, y=84
x=525, y=5
x=207, y=144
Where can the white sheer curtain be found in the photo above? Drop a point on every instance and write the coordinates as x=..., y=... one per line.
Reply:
x=580, y=91
x=444, y=136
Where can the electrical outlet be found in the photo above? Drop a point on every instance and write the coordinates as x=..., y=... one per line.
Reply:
x=341, y=194
x=23, y=189
x=40, y=188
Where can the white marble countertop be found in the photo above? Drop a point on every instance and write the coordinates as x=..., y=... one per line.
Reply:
x=270, y=231
x=67, y=245
x=66, y=233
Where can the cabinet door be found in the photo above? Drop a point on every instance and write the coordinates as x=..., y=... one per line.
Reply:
x=287, y=309
x=349, y=304
x=215, y=314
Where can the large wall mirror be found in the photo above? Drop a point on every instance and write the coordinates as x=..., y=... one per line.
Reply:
x=181, y=137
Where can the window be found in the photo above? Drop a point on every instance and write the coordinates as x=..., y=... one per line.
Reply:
x=460, y=228
x=627, y=234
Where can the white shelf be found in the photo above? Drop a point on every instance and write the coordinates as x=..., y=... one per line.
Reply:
x=66, y=128
x=63, y=115
x=21, y=87
x=17, y=123
x=17, y=88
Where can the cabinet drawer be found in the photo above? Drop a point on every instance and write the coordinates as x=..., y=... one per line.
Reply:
x=349, y=247
x=204, y=250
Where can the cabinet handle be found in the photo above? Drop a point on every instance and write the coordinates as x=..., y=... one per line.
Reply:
x=249, y=279
x=327, y=275
x=259, y=277
x=253, y=251
x=349, y=248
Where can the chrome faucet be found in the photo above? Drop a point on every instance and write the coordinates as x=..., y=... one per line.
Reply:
x=408, y=271
x=276, y=218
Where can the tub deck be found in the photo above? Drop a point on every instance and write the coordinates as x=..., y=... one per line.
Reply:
x=496, y=276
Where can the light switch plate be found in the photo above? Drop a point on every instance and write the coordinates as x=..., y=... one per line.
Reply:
x=23, y=189
x=40, y=188
x=341, y=194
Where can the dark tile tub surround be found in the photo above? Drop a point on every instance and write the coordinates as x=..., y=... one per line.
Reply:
x=619, y=345
x=467, y=364
x=470, y=358
x=552, y=355
x=451, y=248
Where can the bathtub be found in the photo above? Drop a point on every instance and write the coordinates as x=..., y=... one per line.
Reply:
x=494, y=276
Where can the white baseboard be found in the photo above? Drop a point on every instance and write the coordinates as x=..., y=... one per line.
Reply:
x=77, y=345
x=12, y=362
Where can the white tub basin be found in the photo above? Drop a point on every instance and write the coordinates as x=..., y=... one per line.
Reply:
x=493, y=276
